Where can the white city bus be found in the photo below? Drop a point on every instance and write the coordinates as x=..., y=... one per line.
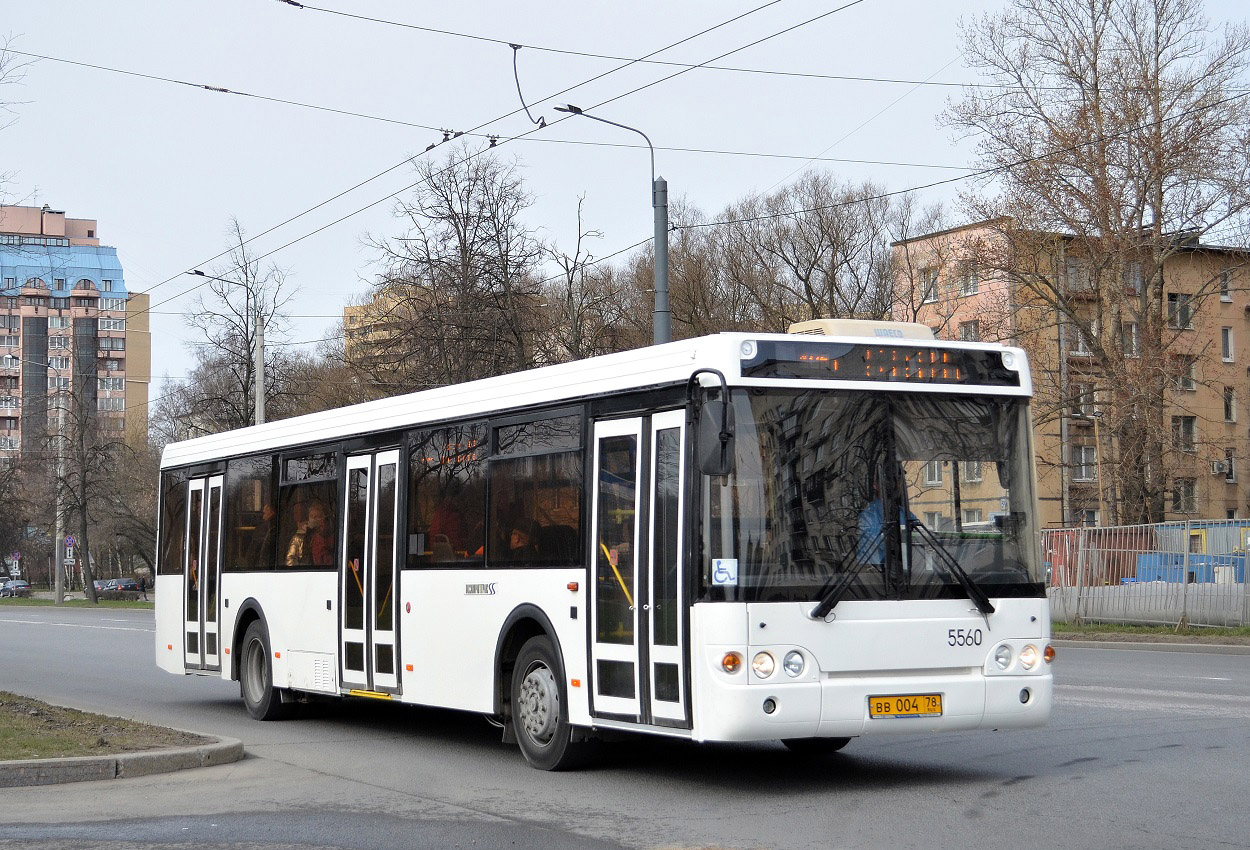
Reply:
x=686, y=540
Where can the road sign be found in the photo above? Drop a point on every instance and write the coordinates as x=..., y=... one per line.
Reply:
x=69, y=562
x=69, y=541
x=16, y=556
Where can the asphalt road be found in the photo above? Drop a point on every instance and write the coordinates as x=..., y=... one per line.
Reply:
x=1146, y=749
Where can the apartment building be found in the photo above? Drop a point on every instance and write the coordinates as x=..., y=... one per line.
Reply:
x=70, y=331
x=989, y=281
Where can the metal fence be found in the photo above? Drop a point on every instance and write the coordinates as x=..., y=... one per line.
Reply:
x=1175, y=573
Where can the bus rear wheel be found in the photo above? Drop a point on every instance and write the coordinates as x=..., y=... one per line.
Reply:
x=812, y=747
x=260, y=697
x=540, y=716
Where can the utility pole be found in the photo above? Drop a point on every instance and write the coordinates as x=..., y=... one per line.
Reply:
x=260, y=363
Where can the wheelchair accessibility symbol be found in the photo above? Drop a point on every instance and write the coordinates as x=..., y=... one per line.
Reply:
x=725, y=572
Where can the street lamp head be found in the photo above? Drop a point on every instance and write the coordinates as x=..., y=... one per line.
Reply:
x=569, y=108
x=197, y=271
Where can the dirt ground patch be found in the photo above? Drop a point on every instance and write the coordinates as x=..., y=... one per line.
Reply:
x=31, y=729
x=1132, y=637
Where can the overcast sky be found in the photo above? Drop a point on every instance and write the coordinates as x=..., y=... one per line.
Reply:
x=163, y=167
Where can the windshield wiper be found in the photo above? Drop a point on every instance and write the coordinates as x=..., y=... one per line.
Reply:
x=832, y=592
x=974, y=591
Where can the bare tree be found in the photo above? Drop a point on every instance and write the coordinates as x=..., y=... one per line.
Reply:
x=586, y=304
x=1121, y=139
x=813, y=249
x=458, y=298
x=238, y=292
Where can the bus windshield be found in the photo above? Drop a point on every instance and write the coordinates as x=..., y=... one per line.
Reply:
x=882, y=495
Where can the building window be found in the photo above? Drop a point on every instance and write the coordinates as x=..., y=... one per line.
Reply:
x=8, y=361
x=1226, y=344
x=1084, y=463
x=8, y=444
x=84, y=302
x=971, y=470
x=969, y=282
x=116, y=403
x=928, y=286
x=1083, y=335
x=58, y=342
x=9, y=423
x=1180, y=311
x=58, y=362
x=1226, y=292
x=58, y=382
x=10, y=282
x=9, y=402
x=1185, y=433
x=60, y=303
x=112, y=365
x=112, y=324
x=1185, y=495
x=970, y=331
x=7, y=341
x=116, y=305
x=1132, y=278
x=1083, y=399
x=56, y=323
x=933, y=472
x=1230, y=466
x=106, y=286
x=934, y=520
x=972, y=516
x=1087, y=518
x=112, y=384
x=1184, y=377
x=1230, y=404
x=58, y=283
x=1130, y=337
x=1079, y=279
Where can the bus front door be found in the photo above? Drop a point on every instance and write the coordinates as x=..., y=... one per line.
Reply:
x=367, y=575
x=201, y=574
x=637, y=651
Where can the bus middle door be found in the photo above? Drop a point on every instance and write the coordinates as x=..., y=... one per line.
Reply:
x=367, y=576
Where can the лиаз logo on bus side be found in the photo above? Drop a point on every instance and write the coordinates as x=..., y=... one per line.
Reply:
x=480, y=589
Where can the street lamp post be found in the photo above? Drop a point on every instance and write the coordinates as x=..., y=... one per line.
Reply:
x=661, y=324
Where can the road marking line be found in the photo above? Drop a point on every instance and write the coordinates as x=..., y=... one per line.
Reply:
x=75, y=625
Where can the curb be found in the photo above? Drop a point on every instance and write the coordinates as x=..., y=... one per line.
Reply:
x=14, y=774
x=1148, y=646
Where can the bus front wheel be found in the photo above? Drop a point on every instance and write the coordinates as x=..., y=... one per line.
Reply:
x=540, y=716
x=260, y=697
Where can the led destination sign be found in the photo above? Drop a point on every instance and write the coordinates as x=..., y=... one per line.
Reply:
x=908, y=363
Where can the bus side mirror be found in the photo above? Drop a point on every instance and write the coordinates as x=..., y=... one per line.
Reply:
x=715, y=443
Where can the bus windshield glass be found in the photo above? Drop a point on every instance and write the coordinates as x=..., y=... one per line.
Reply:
x=880, y=495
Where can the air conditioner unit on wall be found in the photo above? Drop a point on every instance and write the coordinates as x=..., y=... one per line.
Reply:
x=1217, y=467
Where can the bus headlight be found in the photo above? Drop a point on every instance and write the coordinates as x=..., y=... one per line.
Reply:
x=1029, y=657
x=793, y=663
x=764, y=664
x=1002, y=657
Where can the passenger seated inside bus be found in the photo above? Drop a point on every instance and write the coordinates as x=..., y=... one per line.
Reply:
x=312, y=544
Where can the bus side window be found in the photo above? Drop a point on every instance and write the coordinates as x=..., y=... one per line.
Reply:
x=307, y=518
x=251, y=514
x=447, y=496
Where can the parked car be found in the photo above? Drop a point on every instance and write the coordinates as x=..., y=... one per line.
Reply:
x=126, y=584
x=15, y=587
x=103, y=584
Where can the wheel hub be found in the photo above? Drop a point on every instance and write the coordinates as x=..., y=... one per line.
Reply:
x=539, y=706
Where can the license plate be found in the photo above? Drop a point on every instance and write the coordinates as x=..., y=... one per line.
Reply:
x=905, y=705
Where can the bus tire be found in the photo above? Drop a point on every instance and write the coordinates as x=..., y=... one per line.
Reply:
x=539, y=710
x=261, y=699
x=811, y=747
